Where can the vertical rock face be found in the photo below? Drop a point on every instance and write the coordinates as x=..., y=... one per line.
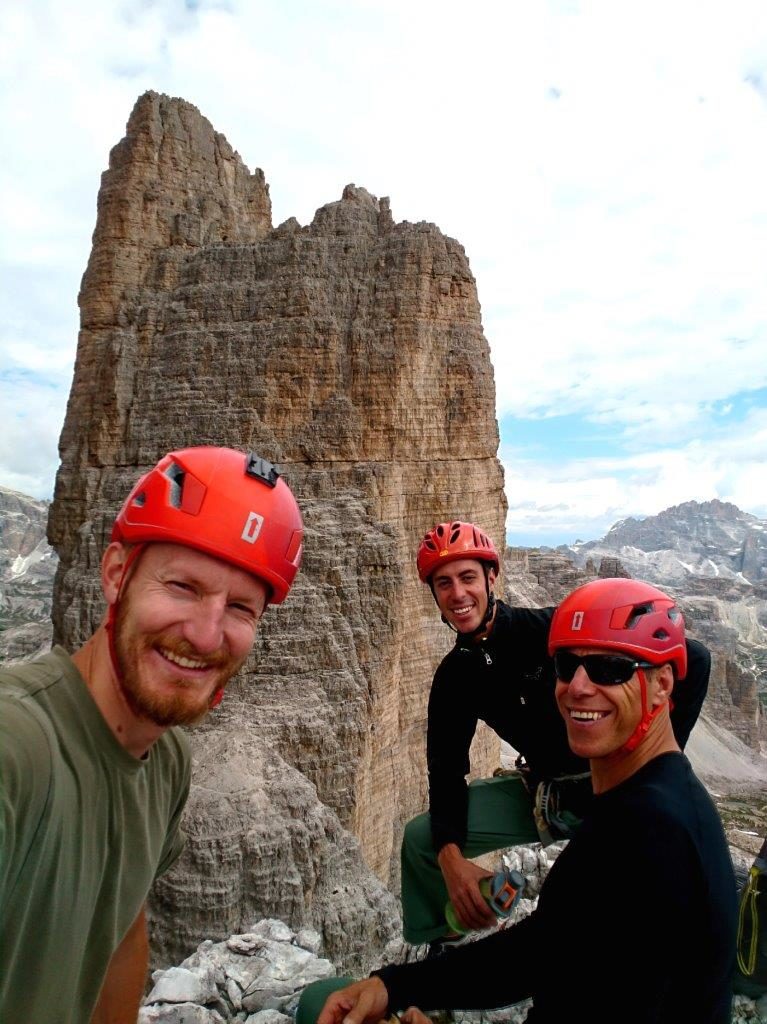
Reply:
x=350, y=352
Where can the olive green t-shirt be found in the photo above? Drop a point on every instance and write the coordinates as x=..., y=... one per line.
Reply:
x=84, y=829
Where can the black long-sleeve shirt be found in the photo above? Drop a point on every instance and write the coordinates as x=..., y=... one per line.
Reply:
x=508, y=682
x=635, y=922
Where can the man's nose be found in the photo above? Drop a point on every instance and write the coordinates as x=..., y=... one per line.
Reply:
x=204, y=628
x=581, y=684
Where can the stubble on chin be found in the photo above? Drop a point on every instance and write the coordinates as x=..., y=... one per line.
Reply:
x=186, y=706
x=168, y=711
x=180, y=708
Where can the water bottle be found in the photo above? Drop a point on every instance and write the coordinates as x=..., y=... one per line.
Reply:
x=501, y=892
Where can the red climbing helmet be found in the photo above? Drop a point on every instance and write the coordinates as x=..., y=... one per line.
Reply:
x=224, y=503
x=625, y=615
x=448, y=542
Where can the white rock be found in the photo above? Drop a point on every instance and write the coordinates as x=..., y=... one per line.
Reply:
x=235, y=993
x=181, y=985
x=309, y=939
x=271, y=928
x=285, y=962
x=262, y=970
x=245, y=972
x=272, y=998
x=178, y=1013
x=267, y=1017
x=247, y=944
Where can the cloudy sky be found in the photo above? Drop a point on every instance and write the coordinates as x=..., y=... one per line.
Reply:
x=603, y=163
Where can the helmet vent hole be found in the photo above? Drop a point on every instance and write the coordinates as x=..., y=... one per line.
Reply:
x=440, y=531
x=638, y=611
x=176, y=476
x=140, y=500
x=430, y=544
x=454, y=535
x=661, y=634
x=674, y=614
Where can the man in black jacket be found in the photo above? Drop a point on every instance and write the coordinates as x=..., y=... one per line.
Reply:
x=499, y=672
x=636, y=919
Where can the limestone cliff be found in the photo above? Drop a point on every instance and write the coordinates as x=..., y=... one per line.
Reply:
x=351, y=353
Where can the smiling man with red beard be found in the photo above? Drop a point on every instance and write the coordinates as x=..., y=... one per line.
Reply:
x=636, y=919
x=94, y=773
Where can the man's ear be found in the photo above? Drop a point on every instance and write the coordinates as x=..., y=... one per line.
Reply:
x=663, y=684
x=112, y=569
x=491, y=576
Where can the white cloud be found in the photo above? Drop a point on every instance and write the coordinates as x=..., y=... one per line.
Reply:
x=603, y=165
x=581, y=498
x=33, y=411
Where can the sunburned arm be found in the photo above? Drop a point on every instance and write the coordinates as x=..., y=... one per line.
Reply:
x=124, y=982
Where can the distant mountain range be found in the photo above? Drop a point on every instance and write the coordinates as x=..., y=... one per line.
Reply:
x=711, y=539
x=27, y=567
x=713, y=559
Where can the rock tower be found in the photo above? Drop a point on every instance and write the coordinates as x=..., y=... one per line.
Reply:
x=350, y=352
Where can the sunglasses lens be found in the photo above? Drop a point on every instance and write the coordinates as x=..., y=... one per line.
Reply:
x=610, y=669
x=602, y=669
x=566, y=665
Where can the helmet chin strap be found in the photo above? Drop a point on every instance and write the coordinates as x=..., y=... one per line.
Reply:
x=111, y=622
x=647, y=716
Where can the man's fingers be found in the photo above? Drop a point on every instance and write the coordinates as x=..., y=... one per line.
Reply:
x=472, y=919
x=336, y=1006
x=365, y=1009
x=364, y=1002
x=413, y=1015
x=472, y=908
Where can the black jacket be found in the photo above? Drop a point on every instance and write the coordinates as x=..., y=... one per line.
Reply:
x=508, y=682
x=635, y=923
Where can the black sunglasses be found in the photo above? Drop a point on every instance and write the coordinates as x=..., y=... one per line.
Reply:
x=602, y=669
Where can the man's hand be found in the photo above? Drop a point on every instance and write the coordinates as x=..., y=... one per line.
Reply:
x=462, y=880
x=413, y=1015
x=364, y=1002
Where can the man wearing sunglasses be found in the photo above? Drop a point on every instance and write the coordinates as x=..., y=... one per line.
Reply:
x=499, y=672
x=636, y=919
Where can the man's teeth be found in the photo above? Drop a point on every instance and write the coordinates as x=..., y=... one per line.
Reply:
x=587, y=716
x=462, y=611
x=181, y=661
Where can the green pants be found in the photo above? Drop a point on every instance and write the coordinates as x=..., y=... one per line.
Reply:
x=313, y=998
x=500, y=814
